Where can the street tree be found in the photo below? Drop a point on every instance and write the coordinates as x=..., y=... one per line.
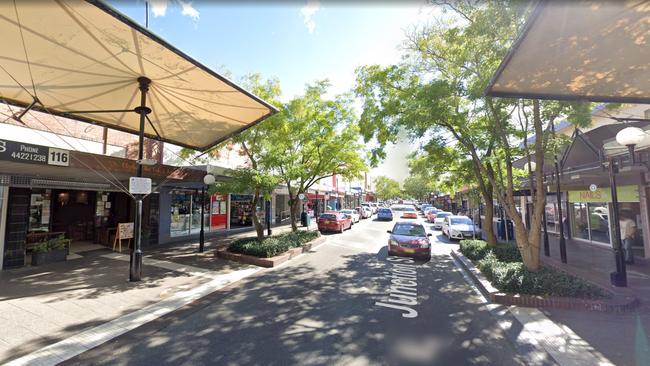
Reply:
x=315, y=138
x=437, y=93
x=386, y=188
x=257, y=177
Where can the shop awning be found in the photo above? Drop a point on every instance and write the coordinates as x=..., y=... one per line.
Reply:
x=580, y=50
x=75, y=57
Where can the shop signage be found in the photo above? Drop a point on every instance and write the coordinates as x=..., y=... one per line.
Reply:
x=125, y=230
x=34, y=154
x=603, y=194
x=301, y=196
x=593, y=187
x=139, y=185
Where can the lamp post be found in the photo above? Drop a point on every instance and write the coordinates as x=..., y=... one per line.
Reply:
x=208, y=179
x=630, y=137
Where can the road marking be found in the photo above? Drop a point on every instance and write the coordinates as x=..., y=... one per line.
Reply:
x=403, y=292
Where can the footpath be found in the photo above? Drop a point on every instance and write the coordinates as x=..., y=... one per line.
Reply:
x=53, y=312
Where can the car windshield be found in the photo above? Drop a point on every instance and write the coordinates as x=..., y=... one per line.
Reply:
x=384, y=210
x=398, y=208
x=442, y=215
x=347, y=212
x=328, y=216
x=409, y=209
x=409, y=230
x=461, y=221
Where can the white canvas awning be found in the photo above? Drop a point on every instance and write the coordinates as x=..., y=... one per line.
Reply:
x=76, y=56
x=580, y=50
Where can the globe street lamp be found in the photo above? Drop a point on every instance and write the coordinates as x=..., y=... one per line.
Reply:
x=630, y=137
x=208, y=179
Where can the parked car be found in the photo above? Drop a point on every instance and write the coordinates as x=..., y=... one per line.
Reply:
x=409, y=239
x=385, y=214
x=460, y=227
x=409, y=213
x=426, y=211
x=440, y=218
x=373, y=209
x=430, y=215
x=404, y=211
x=368, y=211
x=363, y=213
x=352, y=214
x=424, y=207
x=334, y=221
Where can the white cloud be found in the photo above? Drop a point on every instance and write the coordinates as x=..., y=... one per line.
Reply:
x=189, y=11
x=308, y=12
x=159, y=8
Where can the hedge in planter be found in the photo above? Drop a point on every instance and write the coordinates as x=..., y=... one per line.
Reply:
x=503, y=267
x=272, y=246
x=50, y=251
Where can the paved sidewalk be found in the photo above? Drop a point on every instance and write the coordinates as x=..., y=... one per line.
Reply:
x=622, y=338
x=41, y=306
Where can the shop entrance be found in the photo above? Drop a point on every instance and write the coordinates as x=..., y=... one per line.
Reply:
x=88, y=218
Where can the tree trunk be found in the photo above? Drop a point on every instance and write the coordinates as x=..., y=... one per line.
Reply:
x=293, y=212
x=529, y=249
x=259, y=227
x=488, y=226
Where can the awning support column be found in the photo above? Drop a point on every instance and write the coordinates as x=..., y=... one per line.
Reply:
x=135, y=263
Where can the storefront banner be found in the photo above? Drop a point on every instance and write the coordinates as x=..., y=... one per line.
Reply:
x=603, y=194
x=34, y=154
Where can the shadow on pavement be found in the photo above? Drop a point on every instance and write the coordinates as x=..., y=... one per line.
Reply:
x=321, y=312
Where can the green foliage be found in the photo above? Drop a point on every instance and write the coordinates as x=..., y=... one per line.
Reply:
x=57, y=243
x=272, y=246
x=417, y=186
x=503, y=267
x=386, y=188
x=513, y=277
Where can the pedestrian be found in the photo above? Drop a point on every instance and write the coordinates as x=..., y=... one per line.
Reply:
x=628, y=230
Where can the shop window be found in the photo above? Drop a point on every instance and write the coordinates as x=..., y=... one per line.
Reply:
x=598, y=222
x=39, y=210
x=551, y=217
x=580, y=222
x=632, y=211
x=180, y=211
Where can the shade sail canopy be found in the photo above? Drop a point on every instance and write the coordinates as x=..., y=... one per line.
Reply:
x=76, y=56
x=580, y=50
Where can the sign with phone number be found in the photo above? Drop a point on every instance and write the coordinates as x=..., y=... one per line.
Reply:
x=34, y=154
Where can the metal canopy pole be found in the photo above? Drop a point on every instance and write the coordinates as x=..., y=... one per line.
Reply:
x=135, y=263
x=202, y=232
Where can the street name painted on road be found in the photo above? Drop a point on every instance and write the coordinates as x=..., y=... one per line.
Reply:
x=403, y=292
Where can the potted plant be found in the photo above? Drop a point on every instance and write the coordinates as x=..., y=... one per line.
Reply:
x=50, y=251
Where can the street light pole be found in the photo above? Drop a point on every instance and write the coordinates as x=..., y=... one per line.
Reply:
x=202, y=233
x=135, y=260
x=618, y=278
x=207, y=180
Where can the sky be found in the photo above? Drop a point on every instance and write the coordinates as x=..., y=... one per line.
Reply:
x=296, y=41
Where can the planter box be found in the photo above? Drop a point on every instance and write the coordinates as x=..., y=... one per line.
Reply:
x=612, y=305
x=40, y=258
x=268, y=262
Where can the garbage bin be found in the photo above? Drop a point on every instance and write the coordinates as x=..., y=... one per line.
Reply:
x=511, y=230
x=305, y=220
x=501, y=232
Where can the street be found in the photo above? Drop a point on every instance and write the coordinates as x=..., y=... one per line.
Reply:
x=322, y=309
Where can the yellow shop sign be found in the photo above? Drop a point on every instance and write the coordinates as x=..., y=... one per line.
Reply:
x=625, y=194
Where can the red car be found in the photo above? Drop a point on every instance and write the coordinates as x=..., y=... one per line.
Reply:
x=409, y=239
x=334, y=221
x=431, y=215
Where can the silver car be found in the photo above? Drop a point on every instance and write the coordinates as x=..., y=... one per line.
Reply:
x=440, y=217
x=460, y=227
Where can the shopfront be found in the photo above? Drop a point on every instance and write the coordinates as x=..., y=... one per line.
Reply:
x=590, y=210
x=241, y=210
